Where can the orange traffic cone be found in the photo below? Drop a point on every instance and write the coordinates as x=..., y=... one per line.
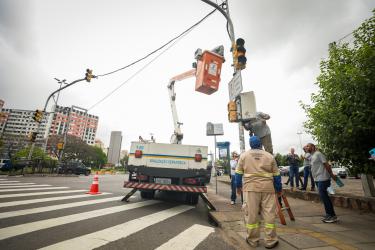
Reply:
x=94, y=186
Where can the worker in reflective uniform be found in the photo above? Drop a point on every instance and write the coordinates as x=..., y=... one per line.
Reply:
x=261, y=177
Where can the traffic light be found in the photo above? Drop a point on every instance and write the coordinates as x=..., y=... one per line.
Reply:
x=89, y=75
x=32, y=136
x=239, y=51
x=232, y=112
x=38, y=115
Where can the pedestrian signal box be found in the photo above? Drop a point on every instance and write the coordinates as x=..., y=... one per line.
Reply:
x=208, y=72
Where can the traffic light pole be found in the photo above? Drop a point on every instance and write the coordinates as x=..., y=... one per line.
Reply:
x=44, y=111
x=225, y=12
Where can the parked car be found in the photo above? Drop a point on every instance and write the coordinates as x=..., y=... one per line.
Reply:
x=5, y=165
x=284, y=170
x=73, y=167
x=342, y=172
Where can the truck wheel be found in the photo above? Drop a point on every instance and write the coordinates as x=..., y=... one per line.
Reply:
x=192, y=198
x=147, y=194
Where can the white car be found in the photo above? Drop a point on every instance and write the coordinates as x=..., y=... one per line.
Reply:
x=342, y=172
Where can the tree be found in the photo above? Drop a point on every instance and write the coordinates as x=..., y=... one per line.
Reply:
x=77, y=149
x=281, y=160
x=342, y=114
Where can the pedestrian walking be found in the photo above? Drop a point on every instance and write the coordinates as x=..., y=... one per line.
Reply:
x=307, y=171
x=259, y=127
x=259, y=171
x=322, y=173
x=233, y=165
x=293, y=162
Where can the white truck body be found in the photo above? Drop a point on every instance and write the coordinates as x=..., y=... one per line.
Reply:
x=172, y=156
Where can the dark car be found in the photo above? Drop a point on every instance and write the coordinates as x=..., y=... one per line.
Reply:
x=73, y=168
x=5, y=165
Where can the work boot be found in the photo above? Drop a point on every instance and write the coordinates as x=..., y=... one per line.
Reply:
x=252, y=244
x=272, y=245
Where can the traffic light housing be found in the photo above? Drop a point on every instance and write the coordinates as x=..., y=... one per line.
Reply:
x=232, y=112
x=38, y=115
x=32, y=136
x=89, y=75
x=239, y=52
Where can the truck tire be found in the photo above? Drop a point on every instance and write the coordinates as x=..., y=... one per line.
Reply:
x=192, y=198
x=148, y=194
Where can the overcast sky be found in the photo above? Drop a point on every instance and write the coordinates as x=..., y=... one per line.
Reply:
x=285, y=42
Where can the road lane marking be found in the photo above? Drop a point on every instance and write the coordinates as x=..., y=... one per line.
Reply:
x=29, y=189
x=102, y=237
x=40, y=193
x=26, y=186
x=58, y=198
x=12, y=231
x=8, y=181
x=184, y=240
x=14, y=184
x=57, y=207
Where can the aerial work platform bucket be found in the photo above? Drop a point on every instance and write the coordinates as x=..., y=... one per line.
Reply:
x=208, y=72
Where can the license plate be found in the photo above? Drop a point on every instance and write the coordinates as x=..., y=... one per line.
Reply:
x=163, y=180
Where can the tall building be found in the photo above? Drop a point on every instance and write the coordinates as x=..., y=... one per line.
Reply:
x=76, y=121
x=114, y=147
x=16, y=125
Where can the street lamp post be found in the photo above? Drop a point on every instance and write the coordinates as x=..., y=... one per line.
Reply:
x=225, y=11
x=44, y=111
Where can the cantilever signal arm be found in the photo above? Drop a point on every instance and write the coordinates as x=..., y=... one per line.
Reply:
x=177, y=134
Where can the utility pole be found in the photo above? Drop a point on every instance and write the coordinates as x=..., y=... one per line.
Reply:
x=44, y=111
x=224, y=9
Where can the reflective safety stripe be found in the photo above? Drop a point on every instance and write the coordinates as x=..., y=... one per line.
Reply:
x=239, y=171
x=252, y=226
x=267, y=175
x=268, y=225
x=276, y=174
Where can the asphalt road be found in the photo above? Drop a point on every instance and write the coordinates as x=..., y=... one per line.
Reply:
x=62, y=216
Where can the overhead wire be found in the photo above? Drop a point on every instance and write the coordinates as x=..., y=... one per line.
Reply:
x=137, y=72
x=161, y=47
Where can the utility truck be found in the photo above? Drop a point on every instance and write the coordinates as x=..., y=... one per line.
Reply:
x=175, y=167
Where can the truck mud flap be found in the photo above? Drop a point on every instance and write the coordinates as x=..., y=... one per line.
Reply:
x=165, y=187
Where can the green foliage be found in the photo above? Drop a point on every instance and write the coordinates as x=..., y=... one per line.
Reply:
x=281, y=160
x=38, y=154
x=77, y=149
x=342, y=115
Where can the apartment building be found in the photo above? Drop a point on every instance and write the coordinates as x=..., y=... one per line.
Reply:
x=16, y=125
x=76, y=121
x=114, y=147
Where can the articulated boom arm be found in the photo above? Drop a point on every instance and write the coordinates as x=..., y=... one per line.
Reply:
x=177, y=135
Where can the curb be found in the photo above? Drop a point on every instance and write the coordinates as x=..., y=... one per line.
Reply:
x=363, y=204
x=359, y=203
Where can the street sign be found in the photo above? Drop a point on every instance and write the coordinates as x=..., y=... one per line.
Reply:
x=235, y=86
x=214, y=129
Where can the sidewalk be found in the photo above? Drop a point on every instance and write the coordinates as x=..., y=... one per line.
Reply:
x=355, y=229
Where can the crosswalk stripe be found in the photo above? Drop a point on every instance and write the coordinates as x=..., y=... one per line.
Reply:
x=14, y=184
x=8, y=181
x=29, y=189
x=188, y=239
x=26, y=186
x=56, y=207
x=12, y=231
x=58, y=198
x=102, y=237
x=40, y=193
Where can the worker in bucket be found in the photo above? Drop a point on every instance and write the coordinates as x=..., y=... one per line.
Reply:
x=260, y=172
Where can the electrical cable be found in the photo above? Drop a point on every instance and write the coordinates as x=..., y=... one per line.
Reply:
x=161, y=47
x=139, y=71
